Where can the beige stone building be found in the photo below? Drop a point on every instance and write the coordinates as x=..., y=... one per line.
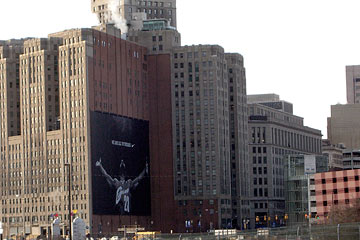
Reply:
x=129, y=10
x=33, y=183
x=156, y=36
x=10, y=80
x=353, y=84
x=344, y=125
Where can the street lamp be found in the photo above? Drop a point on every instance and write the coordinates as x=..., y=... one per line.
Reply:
x=69, y=191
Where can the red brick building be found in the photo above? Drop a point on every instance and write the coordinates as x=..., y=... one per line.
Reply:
x=74, y=74
x=336, y=188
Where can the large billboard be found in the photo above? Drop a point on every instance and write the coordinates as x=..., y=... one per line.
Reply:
x=120, y=165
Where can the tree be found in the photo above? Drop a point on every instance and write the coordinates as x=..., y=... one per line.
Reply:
x=345, y=213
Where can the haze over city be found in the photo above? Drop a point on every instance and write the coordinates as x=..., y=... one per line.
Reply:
x=297, y=49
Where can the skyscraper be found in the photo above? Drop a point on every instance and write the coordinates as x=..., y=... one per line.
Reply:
x=74, y=87
x=131, y=11
x=133, y=123
x=210, y=149
x=238, y=127
x=353, y=84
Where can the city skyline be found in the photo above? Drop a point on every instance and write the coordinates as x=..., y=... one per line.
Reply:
x=275, y=40
x=226, y=103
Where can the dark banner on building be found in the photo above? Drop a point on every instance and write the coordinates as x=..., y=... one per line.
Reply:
x=120, y=165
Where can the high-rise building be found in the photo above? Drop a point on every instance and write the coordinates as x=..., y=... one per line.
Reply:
x=353, y=84
x=238, y=127
x=132, y=12
x=343, y=125
x=88, y=107
x=110, y=113
x=272, y=135
x=10, y=86
x=208, y=153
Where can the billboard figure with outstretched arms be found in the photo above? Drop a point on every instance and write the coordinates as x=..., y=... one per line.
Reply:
x=120, y=165
x=123, y=187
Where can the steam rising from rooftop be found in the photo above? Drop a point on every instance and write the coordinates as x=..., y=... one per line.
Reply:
x=113, y=16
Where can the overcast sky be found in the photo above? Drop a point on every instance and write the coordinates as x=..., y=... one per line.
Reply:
x=295, y=48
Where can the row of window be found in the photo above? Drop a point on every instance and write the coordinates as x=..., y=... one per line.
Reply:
x=154, y=4
x=260, y=170
x=260, y=181
x=153, y=11
x=260, y=192
x=336, y=191
x=335, y=202
x=335, y=180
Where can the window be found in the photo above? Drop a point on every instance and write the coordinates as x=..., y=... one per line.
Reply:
x=154, y=38
x=323, y=181
x=324, y=192
x=345, y=179
x=160, y=38
x=336, y=202
x=347, y=201
x=334, y=180
x=346, y=190
x=356, y=178
x=325, y=203
x=335, y=191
